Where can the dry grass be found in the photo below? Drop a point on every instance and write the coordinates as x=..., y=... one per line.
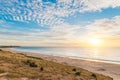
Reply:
x=22, y=66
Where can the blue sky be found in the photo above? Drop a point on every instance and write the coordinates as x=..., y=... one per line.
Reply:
x=59, y=22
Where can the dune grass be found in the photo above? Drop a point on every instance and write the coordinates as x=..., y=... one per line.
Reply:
x=22, y=66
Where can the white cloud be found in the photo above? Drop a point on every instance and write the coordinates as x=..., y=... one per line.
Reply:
x=105, y=27
x=52, y=14
x=1, y=21
x=29, y=11
x=98, y=5
x=65, y=33
x=46, y=13
x=59, y=33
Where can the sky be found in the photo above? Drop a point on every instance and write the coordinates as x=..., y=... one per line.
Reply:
x=59, y=22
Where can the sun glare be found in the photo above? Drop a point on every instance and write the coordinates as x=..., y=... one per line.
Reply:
x=96, y=42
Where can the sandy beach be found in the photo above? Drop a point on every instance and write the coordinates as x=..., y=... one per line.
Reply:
x=108, y=69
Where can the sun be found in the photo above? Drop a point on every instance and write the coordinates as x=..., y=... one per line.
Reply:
x=95, y=42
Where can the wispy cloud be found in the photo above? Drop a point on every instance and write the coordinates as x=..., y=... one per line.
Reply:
x=12, y=33
x=1, y=21
x=98, y=5
x=60, y=33
x=25, y=11
x=48, y=12
x=105, y=27
x=52, y=13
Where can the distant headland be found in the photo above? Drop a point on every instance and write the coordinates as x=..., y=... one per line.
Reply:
x=8, y=46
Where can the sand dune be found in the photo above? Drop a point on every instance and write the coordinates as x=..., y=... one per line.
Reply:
x=108, y=69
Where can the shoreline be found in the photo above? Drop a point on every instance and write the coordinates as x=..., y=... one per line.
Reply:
x=72, y=57
x=108, y=69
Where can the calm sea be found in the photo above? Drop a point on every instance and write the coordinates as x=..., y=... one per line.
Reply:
x=104, y=54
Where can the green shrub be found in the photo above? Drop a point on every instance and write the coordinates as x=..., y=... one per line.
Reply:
x=77, y=73
x=41, y=69
x=94, y=75
x=73, y=69
x=2, y=71
x=33, y=64
x=30, y=63
x=0, y=49
x=27, y=62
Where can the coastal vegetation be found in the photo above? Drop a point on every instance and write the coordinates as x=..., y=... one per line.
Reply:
x=18, y=66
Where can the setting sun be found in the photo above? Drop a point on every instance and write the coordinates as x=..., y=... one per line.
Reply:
x=95, y=42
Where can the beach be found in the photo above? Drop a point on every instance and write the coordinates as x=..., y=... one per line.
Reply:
x=106, y=68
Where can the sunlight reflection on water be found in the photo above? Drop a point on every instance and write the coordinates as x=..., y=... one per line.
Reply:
x=109, y=54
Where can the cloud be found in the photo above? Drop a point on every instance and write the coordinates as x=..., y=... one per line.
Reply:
x=26, y=11
x=105, y=27
x=98, y=5
x=1, y=21
x=12, y=33
x=59, y=33
x=52, y=13
x=48, y=12
x=63, y=32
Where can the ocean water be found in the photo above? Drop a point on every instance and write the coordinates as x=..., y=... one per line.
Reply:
x=104, y=54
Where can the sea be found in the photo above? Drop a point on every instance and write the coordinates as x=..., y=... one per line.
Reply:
x=111, y=54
